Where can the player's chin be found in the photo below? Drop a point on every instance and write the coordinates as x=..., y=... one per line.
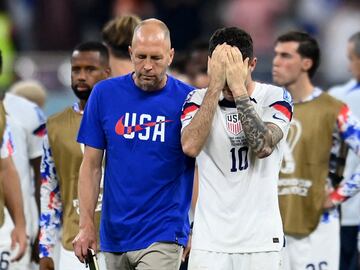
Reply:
x=149, y=86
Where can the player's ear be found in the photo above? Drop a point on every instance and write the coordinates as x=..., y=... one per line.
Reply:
x=172, y=53
x=130, y=51
x=306, y=64
x=208, y=66
x=252, y=64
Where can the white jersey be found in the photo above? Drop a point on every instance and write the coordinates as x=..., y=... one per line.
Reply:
x=350, y=94
x=237, y=209
x=7, y=145
x=27, y=124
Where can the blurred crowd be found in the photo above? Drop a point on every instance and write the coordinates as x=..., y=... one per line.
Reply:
x=30, y=31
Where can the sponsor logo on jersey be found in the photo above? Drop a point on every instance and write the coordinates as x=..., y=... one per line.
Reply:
x=283, y=107
x=233, y=124
x=141, y=126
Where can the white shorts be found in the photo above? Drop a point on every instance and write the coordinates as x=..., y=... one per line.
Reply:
x=208, y=260
x=68, y=260
x=6, y=254
x=318, y=251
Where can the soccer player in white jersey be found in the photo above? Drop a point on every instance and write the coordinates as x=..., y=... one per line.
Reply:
x=236, y=130
x=350, y=210
x=27, y=123
x=9, y=196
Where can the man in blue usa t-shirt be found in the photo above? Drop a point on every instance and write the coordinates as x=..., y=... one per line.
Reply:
x=148, y=180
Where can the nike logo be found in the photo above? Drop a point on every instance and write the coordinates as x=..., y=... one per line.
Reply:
x=278, y=118
x=120, y=128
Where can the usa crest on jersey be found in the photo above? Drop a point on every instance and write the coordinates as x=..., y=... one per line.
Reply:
x=233, y=124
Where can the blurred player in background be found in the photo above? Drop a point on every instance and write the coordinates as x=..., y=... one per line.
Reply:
x=62, y=158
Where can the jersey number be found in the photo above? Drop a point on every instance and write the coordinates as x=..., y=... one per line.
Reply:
x=239, y=159
x=322, y=266
x=4, y=260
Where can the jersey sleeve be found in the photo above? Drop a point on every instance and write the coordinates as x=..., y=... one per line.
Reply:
x=278, y=108
x=7, y=146
x=349, y=129
x=50, y=203
x=91, y=131
x=191, y=106
x=347, y=188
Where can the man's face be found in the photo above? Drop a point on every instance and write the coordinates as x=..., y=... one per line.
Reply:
x=87, y=68
x=151, y=57
x=354, y=61
x=287, y=64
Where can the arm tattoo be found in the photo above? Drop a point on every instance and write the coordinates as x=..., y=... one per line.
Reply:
x=261, y=137
x=276, y=133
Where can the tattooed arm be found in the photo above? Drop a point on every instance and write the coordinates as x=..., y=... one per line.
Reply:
x=261, y=137
x=195, y=134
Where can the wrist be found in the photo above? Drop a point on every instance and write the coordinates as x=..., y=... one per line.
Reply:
x=215, y=86
x=240, y=92
x=87, y=224
x=241, y=98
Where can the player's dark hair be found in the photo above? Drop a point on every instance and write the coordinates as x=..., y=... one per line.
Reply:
x=308, y=47
x=94, y=46
x=233, y=36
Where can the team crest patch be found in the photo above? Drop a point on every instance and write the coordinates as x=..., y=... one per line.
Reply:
x=233, y=124
x=286, y=96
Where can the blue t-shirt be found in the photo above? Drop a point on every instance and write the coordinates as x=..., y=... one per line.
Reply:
x=148, y=179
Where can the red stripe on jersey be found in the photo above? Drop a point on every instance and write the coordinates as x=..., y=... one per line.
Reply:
x=343, y=117
x=285, y=111
x=189, y=109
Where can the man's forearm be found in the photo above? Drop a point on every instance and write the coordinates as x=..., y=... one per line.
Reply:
x=196, y=133
x=35, y=163
x=88, y=192
x=260, y=137
x=12, y=191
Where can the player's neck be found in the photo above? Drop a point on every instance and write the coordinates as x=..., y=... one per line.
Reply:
x=82, y=104
x=250, y=87
x=301, y=89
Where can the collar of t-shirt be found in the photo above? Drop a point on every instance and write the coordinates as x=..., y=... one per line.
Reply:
x=77, y=109
x=315, y=93
x=355, y=87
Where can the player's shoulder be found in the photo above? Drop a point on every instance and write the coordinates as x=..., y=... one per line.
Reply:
x=331, y=100
x=25, y=111
x=341, y=89
x=272, y=93
x=181, y=85
x=18, y=102
x=196, y=95
x=59, y=117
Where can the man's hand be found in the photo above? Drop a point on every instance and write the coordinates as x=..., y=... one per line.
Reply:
x=35, y=249
x=18, y=237
x=217, y=77
x=236, y=71
x=328, y=203
x=187, y=249
x=46, y=263
x=86, y=238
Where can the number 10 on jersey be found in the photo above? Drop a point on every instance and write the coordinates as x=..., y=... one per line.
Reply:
x=239, y=158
